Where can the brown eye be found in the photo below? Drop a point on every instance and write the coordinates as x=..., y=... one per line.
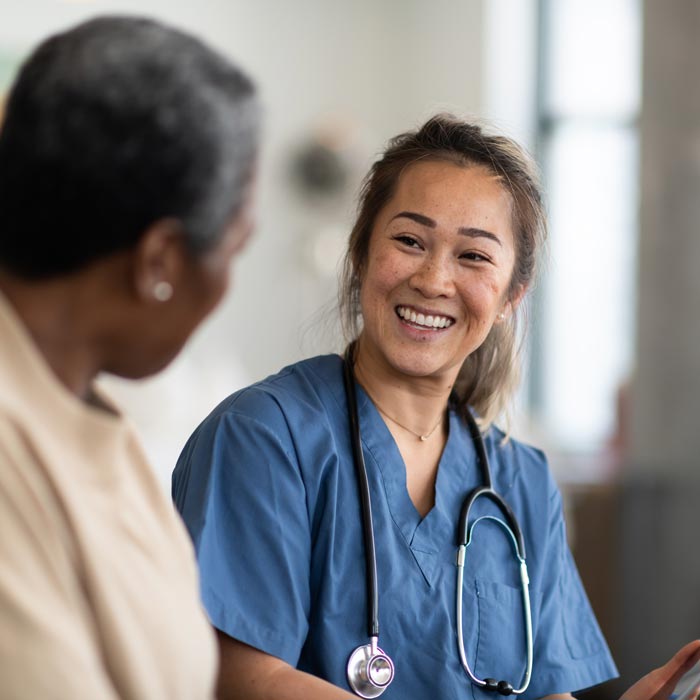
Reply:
x=474, y=257
x=408, y=241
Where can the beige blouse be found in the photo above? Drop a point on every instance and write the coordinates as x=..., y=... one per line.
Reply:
x=98, y=587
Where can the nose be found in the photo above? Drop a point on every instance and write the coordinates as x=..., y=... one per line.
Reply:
x=433, y=278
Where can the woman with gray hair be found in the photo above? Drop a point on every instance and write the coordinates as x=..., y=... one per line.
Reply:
x=126, y=163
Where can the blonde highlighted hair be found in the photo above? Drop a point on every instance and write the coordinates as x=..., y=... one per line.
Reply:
x=490, y=375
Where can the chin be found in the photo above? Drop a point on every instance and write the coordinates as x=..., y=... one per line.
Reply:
x=418, y=366
x=426, y=362
x=144, y=366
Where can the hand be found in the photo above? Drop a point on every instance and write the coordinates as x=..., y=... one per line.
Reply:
x=659, y=684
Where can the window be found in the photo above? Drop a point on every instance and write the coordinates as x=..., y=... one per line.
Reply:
x=589, y=94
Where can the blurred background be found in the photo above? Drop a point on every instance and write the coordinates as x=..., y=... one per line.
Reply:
x=605, y=95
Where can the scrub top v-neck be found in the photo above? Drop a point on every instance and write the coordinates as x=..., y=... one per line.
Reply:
x=267, y=488
x=457, y=464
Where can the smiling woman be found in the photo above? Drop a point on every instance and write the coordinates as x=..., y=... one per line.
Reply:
x=449, y=230
x=431, y=258
x=490, y=373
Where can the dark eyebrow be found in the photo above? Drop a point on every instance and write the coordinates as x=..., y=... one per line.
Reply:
x=430, y=223
x=418, y=218
x=479, y=233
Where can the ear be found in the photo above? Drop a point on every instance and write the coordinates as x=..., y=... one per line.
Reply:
x=511, y=304
x=157, y=261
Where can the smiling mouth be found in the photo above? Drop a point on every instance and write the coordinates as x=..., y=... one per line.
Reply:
x=428, y=321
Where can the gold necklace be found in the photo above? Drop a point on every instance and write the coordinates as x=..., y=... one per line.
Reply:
x=422, y=438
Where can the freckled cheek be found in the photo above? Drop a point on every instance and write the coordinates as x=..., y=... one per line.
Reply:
x=373, y=301
x=478, y=295
x=384, y=276
x=376, y=309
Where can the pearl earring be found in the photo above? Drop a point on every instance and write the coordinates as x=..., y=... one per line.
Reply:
x=501, y=316
x=162, y=291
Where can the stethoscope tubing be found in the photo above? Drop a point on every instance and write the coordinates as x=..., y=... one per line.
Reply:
x=365, y=500
x=524, y=580
x=463, y=538
x=463, y=541
x=488, y=492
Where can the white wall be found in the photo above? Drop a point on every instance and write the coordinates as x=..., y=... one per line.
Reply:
x=377, y=66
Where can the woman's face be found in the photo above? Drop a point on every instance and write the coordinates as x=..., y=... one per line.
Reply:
x=199, y=284
x=440, y=261
x=209, y=274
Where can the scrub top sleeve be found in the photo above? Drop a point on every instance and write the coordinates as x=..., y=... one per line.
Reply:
x=47, y=648
x=570, y=649
x=239, y=489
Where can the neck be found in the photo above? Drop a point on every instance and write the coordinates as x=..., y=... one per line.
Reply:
x=60, y=315
x=416, y=404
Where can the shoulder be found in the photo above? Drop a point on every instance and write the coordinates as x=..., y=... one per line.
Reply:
x=265, y=439
x=10, y=440
x=278, y=419
x=517, y=464
x=297, y=392
x=20, y=470
x=30, y=508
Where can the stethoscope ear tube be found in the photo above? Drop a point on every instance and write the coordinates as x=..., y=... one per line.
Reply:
x=487, y=491
x=464, y=538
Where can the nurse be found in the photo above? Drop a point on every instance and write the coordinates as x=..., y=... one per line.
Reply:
x=445, y=247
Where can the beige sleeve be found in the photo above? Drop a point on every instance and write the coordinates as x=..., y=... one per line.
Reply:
x=47, y=646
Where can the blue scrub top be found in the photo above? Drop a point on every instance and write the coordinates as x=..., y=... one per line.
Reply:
x=267, y=488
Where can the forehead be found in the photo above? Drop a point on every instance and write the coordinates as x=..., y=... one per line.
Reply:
x=451, y=194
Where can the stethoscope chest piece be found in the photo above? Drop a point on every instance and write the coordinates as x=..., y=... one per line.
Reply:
x=370, y=671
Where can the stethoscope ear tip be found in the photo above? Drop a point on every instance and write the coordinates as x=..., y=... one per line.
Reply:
x=505, y=688
x=500, y=687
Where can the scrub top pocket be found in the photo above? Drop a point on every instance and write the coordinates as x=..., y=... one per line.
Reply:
x=501, y=649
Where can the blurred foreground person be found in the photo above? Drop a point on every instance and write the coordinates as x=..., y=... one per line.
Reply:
x=126, y=163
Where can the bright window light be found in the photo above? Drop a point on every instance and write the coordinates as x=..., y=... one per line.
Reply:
x=590, y=93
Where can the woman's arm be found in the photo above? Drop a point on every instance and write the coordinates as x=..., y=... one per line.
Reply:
x=248, y=673
x=659, y=683
x=245, y=673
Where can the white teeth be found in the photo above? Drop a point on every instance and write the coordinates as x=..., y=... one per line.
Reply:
x=429, y=321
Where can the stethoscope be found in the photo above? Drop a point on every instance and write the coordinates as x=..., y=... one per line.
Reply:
x=369, y=669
